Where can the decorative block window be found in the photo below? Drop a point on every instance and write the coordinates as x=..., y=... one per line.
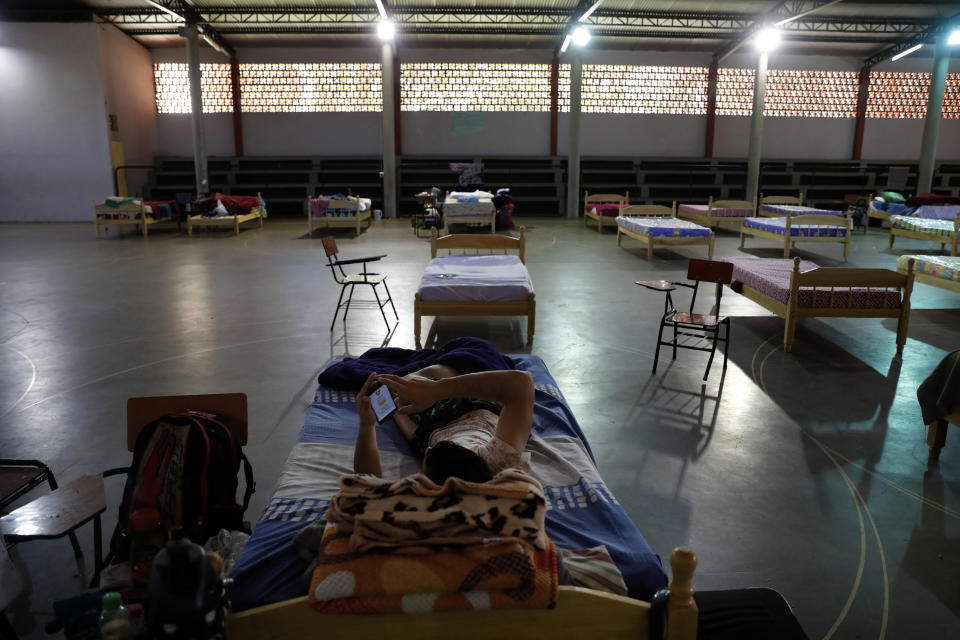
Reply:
x=474, y=87
x=810, y=94
x=897, y=94
x=312, y=87
x=613, y=88
x=172, y=86
x=951, y=97
x=734, y=91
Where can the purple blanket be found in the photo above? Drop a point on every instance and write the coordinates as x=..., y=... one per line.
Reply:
x=466, y=355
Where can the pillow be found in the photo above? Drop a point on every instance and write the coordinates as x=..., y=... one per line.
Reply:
x=892, y=196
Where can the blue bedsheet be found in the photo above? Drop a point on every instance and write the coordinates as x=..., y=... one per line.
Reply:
x=582, y=511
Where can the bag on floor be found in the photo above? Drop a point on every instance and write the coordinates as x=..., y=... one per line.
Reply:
x=183, y=476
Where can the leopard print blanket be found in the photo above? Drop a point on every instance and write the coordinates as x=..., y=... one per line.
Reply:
x=414, y=515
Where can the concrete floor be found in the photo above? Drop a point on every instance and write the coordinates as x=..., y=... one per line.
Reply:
x=805, y=472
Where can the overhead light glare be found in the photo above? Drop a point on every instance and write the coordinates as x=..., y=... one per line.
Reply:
x=566, y=43
x=767, y=39
x=580, y=37
x=954, y=37
x=381, y=9
x=588, y=12
x=386, y=29
x=906, y=52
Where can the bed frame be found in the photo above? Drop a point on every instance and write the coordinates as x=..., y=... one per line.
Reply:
x=223, y=221
x=721, y=222
x=842, y=278
x=791, y=200
x=602, y=198
x=484, y=219
x=579, y=612
x=844, y=222
x=354, y=221
x=100, y=211
x=933, y=281
x=485, y=243
x=922, y=235
x=646, y=210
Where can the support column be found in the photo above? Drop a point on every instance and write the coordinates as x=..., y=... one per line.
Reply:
x=554, y=102
x=711, y=109
x=756, y=128
x=573, y=136
x=237, y=111
x=190, y=34
x=863, y=95
x=931, y=124
x=389, y=143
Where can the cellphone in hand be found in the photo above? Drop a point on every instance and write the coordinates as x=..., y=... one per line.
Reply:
x=383, y=404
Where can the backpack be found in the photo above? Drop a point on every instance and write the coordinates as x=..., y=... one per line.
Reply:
x=183, y=476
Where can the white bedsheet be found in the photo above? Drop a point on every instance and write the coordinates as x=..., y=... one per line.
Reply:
x=477, y=278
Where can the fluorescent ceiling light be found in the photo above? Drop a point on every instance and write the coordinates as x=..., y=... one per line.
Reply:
x=767, y=39
x=381, y=9
x=386, y=29
x=157, y=5
x=954, y=37
x=588, y=12
x=906, y=52
x=566, y=43
x=580, y=37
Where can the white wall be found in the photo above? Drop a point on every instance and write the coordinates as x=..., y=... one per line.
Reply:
x=127, y=70
x=54, y=147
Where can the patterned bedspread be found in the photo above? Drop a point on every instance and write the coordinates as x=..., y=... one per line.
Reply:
x=608, y=210
x=771, y=277
x=946, y=267
x=797, y=210
x=923, y=225
x=454, y=209
x=662, y=226
x=929, y=211
x=702, y=210
x=779, y=227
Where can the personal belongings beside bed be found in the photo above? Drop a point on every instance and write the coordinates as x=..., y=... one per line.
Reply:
x=183, y=476
x=221, y=205
x=185, y=593
x=471, y=174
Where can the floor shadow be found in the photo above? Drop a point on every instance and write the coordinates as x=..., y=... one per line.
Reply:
x=935, y=327
x=507, y=334
x=352, y=344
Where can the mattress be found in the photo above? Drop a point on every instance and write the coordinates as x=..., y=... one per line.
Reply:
x=454, y=209
x=703, y=209
x=797, y=210
x=608, y=210
x=662, y=226
x=479, y=278
x=945, y=267
x=582, y=511
x=943, y=228
x=779, y=227
x=771, y=277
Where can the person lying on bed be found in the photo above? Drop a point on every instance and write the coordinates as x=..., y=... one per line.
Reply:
x=452, y=422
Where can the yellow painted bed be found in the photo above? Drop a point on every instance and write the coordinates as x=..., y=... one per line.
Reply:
x=135, y=212
x=602, y=198
x=651, y=240
x=720, y=222
x=478, y=243
x=953, y=241
x=788, y=241
x=225, y=221
x=579, y=613
x=355, y=221
x=791, y=200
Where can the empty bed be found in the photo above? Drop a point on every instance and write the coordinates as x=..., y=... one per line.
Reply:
x=942, y=231
x=723, y=214
x=790, y=230
x=937, y=271
x=656, y=225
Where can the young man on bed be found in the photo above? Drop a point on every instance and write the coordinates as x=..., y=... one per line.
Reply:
x=471, y=426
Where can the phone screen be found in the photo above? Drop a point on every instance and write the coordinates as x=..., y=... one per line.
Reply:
x=383, y=404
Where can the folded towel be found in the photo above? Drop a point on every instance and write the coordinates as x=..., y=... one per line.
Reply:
x=496, y=577
x=414, y=515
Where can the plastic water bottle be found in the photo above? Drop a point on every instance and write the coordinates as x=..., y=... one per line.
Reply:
x=114, y=619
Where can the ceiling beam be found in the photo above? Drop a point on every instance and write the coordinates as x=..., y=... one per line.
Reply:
x=921, y=38
x=174, y=12
x=783, y=13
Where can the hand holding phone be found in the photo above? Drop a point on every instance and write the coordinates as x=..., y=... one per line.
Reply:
x=383, y=403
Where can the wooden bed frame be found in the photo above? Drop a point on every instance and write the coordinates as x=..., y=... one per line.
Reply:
x=354, y=221
x=791, y=241
x=479, y=243
x=796, y=200
x=602, y=198
x=579, y=612
x=645, y=210
x=842, y=278
x=721, y=222
x=486, y=218
x=131, y=209
x=933, y=281
x=922, y=235
x=223, y=221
